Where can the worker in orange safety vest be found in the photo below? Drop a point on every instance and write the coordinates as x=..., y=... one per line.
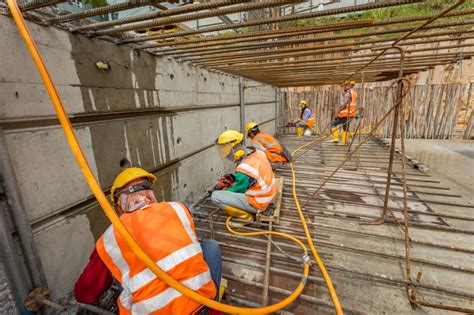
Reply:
x=166, y=232
x=253, y=187
x=306, y=122
x=345, y=113
x=275, y=152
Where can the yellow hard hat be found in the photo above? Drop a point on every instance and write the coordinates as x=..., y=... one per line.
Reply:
x=349, y=82
x=129, y=175
x=250, y=126
x=228, y=140
x=302, y=103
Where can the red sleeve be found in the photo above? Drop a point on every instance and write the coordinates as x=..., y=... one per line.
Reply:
x=94, y=280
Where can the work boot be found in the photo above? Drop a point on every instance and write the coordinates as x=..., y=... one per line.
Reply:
x=335, y=135
x=345, y=138
x=299, y=131
x=238, y=214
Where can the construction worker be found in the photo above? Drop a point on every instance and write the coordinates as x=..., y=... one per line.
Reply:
x=275, y=152
x=306, y=120
x=166, y=232
x=253, y=188
x=346, y=111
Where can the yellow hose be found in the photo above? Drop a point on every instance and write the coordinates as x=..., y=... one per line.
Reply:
x=319, y=262
x=104, y=203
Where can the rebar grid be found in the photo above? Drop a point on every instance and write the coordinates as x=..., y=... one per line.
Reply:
x=259, y=50
x=441, y=14
x=235, y=62
x=289, y=32
x=195, y=16
x=262, y=55
x=157, y=14
x=294, y=17
x=328, y=62
x=202, y=51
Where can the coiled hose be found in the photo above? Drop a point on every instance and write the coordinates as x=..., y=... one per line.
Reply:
x=108, y=209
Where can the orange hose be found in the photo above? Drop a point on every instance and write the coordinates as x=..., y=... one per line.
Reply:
x=104, y=202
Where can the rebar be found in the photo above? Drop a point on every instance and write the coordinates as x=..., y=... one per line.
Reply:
x=158, y=14
x=36, y=4
x=195, y=16
x=294, y=17
x=254, y=36
x=299, y=41
x=257, y=53
x=314, y=52
x=330, y=62
x=434, y=18
x=101, y=10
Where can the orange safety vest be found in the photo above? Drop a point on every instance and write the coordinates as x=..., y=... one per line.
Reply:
x=350, y=110
x=273, y=148
x=166, y=232
x=257, y=166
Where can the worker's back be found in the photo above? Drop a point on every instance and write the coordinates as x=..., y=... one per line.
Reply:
x=166, y=232
x=273, y=148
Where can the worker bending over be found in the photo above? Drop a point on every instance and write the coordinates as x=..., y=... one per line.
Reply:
x=275, y=152
x=253, y=188
x=306, y=120
x=346, y=111
x=166, y=232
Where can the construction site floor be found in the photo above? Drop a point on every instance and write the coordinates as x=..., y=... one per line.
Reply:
x=366, y=262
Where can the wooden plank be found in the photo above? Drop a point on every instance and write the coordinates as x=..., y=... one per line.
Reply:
x=275, y=218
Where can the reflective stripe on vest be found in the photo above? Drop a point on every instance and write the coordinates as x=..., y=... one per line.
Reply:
x=264, y=187
x=273, y=148
x=258, y=167
x=131, y=285
x=265, y=143
x=161, y=300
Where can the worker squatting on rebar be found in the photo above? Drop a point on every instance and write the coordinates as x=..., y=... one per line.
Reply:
x=275, y=152
x=345, y=113
x=166, y=231
x=254, y=187
x=305, y=123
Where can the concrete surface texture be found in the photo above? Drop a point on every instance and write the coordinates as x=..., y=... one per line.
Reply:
x=453, y=159
x=7, y=303
x=151, y=112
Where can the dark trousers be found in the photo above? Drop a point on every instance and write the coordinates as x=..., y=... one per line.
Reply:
x=212, y=256
x=339, y=121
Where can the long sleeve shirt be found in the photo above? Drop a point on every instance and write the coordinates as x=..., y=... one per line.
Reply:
x=241, y=184
x=306, y=114
x=94, y=280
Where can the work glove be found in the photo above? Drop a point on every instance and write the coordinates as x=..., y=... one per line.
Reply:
x=225, y=182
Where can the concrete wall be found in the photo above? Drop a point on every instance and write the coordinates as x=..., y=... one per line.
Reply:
x=7, y=304
x=154, y=112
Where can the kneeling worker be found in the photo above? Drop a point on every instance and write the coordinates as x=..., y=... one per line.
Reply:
x=254, y=187
x=306, y=119
x=166, y=232
x=275, y=152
